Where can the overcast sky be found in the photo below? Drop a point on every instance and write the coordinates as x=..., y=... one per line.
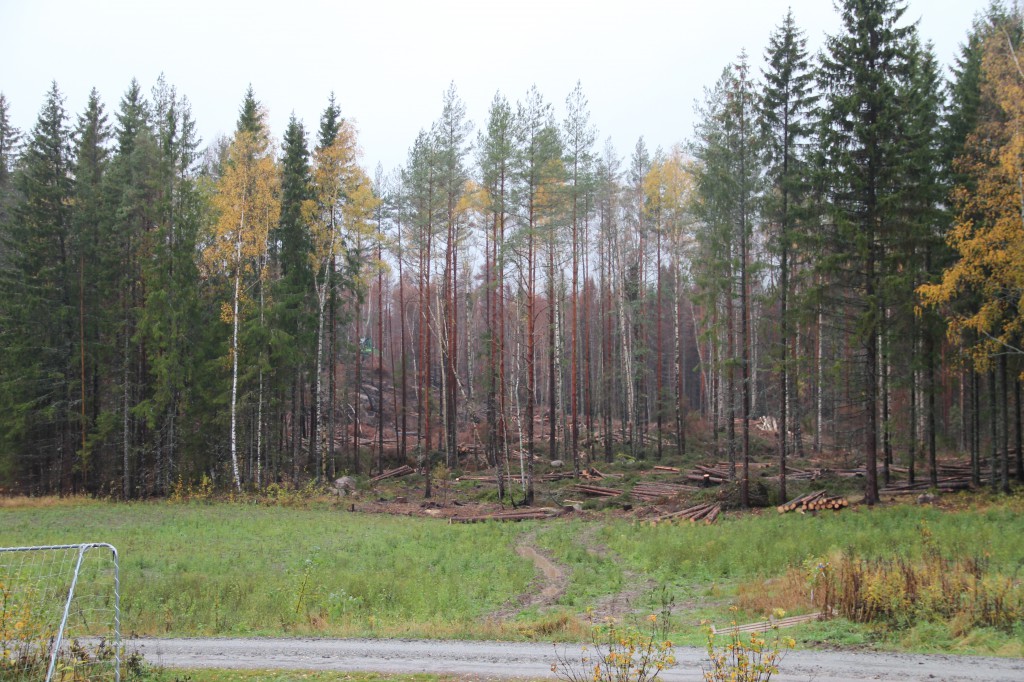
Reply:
x=642, y=63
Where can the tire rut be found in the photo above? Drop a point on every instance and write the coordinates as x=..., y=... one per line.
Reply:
x=620, y=603
x=546, y=588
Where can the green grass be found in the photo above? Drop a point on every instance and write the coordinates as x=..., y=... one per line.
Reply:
x=242, y=569
x=700, y=567
x=746, y=547
x=593, y=576
x=249, y=570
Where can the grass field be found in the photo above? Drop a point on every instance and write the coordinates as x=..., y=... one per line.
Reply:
x=242, y=569
x=236, y=569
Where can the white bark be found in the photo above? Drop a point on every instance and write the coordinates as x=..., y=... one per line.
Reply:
x=234, y=361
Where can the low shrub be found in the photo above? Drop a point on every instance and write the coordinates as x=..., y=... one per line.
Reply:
x=745, y=657
x=618, y=653
x=899, y=593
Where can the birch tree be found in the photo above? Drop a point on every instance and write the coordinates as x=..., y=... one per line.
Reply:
x=248, y=206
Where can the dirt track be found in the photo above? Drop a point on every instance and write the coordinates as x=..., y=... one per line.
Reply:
x=504, y=660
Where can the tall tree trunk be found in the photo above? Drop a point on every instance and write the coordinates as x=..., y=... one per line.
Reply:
x=1017, y=429
x=1005, y=423
x=993, y=417
x=552, y=373
x=819, y=383
x=659, y=350
x=975, y=428
x=402, y=455
x=871, y=388
x=380, y=352
x=929, y=359
x=574, y=426
x=332, y=382
x=234, y=364
x=745, y=338
x=680, y=361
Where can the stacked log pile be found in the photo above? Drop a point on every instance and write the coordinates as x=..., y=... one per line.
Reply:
x=819, y=500
x=952, y=476
x=652, y=492
x=945, y=484
x=554, y=476
x=707, y=512
x=515, y=515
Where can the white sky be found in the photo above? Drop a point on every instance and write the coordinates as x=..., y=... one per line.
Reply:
x=642, y=63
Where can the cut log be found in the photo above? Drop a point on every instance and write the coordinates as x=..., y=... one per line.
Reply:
x=403, y=470
x=517, y=515
x=593, y=490
x=798, y=502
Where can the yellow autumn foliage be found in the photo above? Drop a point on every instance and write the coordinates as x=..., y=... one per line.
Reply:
x=982, y=293
x=248, y=205
x=341, y=210
x=668, y=187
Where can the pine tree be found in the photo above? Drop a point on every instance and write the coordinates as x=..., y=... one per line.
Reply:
x=634, y=289
x=537, y=152
x=496, y=148
x=579, y=138
x=451, y=133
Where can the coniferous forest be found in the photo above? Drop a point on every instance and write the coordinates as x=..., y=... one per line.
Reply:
x=837, y=251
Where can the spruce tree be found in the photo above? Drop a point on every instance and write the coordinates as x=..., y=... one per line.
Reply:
x=171, y=321
x=9, y=136
x=135, y=186
x=294, y=310
x=786, y=103
x=38, y=312
x=729, y=188
x=860, y=127
x=330, y=123
x=92, y=224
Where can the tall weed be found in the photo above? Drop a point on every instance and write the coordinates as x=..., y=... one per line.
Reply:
x=899, y=593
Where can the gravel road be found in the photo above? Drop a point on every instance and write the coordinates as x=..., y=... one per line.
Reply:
x=517, y=660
